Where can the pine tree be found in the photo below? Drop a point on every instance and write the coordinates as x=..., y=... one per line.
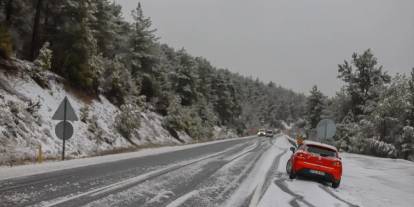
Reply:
x=410, y=118
x=76, y=54
x=315, y=106
x=142, y=42
x=364, y=83
x=389, y=114
x=17, y=19
x=185, y=78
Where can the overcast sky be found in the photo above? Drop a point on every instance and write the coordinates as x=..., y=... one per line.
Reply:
x=294, y=43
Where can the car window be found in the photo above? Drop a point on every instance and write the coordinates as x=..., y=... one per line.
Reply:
x=321, y=151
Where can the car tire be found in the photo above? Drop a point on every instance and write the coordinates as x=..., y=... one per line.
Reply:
x=292, y=175
x=289, y=170
x=335, y=184
x=288, y=166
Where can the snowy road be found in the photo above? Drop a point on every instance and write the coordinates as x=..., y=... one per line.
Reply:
x=244, y=172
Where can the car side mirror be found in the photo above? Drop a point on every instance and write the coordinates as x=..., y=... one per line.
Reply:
x=292, y=149
x=340, y=158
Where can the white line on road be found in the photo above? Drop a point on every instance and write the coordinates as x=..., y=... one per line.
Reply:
x=136, y=179
x=47, y=167
x=179, y=201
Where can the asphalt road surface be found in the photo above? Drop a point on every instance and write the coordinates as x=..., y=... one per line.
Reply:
x=156, y=180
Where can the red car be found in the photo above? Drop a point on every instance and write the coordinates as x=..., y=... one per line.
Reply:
x=316, y=159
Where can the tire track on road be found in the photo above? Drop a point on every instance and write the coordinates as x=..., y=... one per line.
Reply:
x=296, y=197
x=98, y=193
x=337, y=197
x=209, y=193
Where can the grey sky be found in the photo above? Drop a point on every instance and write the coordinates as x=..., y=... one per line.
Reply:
x=294, y=43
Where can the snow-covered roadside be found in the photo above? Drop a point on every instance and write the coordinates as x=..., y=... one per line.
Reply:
x=367, y=181
x=378, y=181
x=32, y=169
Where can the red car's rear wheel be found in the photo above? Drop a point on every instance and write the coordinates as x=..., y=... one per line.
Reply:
x=335, y=183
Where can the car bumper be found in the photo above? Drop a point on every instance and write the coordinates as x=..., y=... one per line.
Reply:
x=330, y=173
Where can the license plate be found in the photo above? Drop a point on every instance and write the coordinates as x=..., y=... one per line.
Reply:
x=317, y=172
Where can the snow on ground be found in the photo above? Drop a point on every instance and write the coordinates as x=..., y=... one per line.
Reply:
x=22, y=132
x=32, y=169
x=378, y=181
x=367, y=181
x=255, y=182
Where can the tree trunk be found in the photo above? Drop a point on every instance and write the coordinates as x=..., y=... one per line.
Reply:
x=35, y=34
x=9, y=11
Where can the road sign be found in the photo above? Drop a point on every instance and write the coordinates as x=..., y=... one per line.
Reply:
x=65, y=109
x=326, y=129
x=64, y=126
x=64, y=129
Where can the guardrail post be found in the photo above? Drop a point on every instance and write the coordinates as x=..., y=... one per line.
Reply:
x=40, y=154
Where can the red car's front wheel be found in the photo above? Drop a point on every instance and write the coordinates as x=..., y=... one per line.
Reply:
x=289, y=169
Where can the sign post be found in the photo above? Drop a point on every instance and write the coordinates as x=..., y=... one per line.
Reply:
x=64, y=129
x=326, y=129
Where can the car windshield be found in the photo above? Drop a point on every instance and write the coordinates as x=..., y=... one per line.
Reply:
x=269, y=131
x=321, y=151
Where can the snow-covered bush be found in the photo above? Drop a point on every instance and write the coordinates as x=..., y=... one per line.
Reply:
x=96, y=132
x=42, y=64
x=380, y=148
x=128, y=120
x=84, y=114
x=186, y=119
x=116, y=82
x=33, y=107
x=407, y=146
x=44, y=60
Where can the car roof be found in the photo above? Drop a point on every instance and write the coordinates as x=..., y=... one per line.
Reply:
x=308, y=142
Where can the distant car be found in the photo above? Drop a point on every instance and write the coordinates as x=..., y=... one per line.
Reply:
x=269, y=133
x=261, y=132
x=316, y=159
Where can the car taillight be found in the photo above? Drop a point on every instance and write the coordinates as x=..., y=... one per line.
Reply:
x=336, y=163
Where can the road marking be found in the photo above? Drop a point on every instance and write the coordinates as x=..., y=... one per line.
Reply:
x=246, y=150
x=136, y=179
x=180, y=200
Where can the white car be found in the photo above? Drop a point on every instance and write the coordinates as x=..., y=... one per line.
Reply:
x=261, y=133
x=269, y=133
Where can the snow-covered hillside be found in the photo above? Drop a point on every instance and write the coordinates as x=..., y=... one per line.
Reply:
x=24, y=126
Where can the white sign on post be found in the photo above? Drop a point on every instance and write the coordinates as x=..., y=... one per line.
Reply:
x=64, y=129
x=326, y=129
